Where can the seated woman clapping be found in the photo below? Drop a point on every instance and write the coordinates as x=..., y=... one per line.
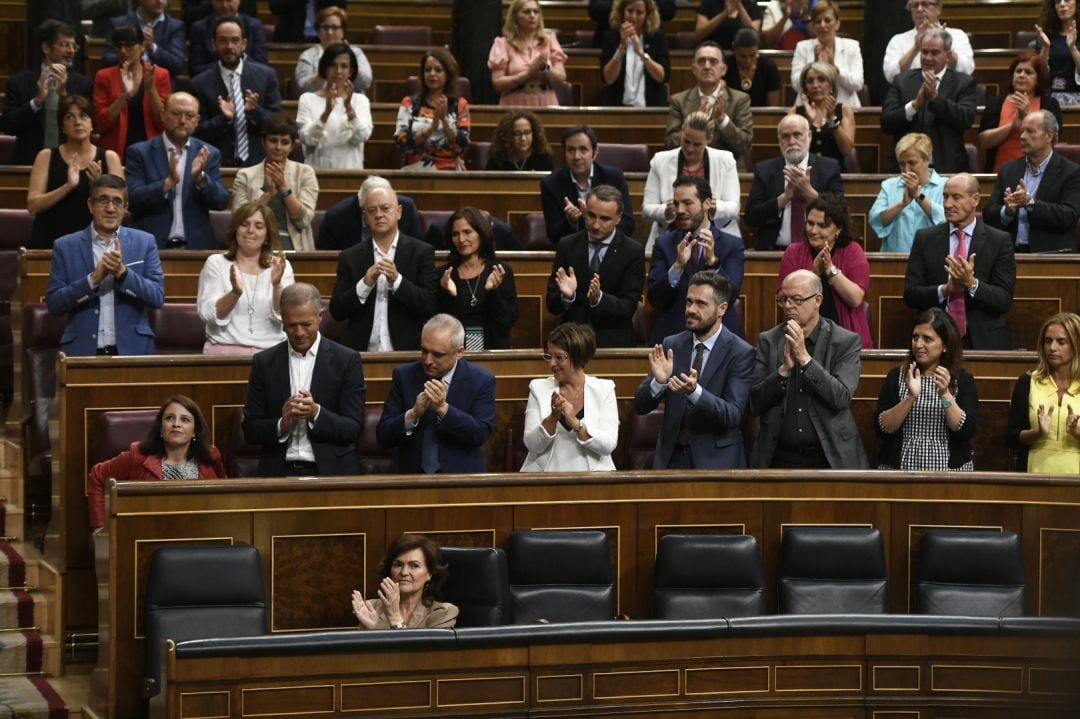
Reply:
x=413, y=572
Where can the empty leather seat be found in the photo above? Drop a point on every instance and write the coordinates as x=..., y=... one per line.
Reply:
x=629, y=157
x=329, y=327
x=533, y=233
x=241, y=457
x=219, y=223
x=401, y=35
x=1069, y=152
x=479, y=585
x=476, y=155
x=970, y=572
x=178, y=328
x=115, y=430
x=372, y=458
x=832, y=570
x=707, y=577
x=561, y=576
x=643, y=433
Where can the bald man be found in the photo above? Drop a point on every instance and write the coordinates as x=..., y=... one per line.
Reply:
x=174, y=180
x=964, y=267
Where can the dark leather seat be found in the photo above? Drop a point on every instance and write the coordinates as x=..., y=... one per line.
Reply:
x=17, y=225
x=643, y=433
x=115, y=430
x=970, y=572
x=832, y=570
x=707, y=577
x=533, y=233
x=329, y=327
x=219, y=222
x=242, y=457
x=201, y=592
x=372, y=458
x=433, y=217
x=561, y=576
x=628, y=157
x=1069, y=152
x=476, y=155
x=479, y=585
x=41, y=334
x=401, y=35
x=178, y=328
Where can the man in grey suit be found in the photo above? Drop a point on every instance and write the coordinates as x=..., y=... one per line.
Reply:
x=704, y=404
x=807, y=371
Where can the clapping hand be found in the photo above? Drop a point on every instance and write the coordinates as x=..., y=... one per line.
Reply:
x=561, y=407
x=387, y=269
x=93, y=170
x=236, y=280
x=1044, y=40
x=1022, y=104
x=942, y=379
x=798, y=181
x=661, y=364
x=495, y=278
x=1045, y=416
x=275, y=175
x=823, y=261
x=1014, y=199
x=566, y=282
x=796, y=340
x=446, y=282
x=1072, y=423
x=391, y=599
x=961, y=272
x=824, y=53
x=573, y=212
x=277, y=269
x=683, y=383
x=594, y=290
x=148, y=38
x=913, y=378
x=436, y=390
x=251, y=100
x=198, y=164
x=364, y=610
x=910, y=181
x=225, y=105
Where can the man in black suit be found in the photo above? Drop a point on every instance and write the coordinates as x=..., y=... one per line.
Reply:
x=28, y=91
x=386, y=285
x=562, y=193
x=598, y=274
x=201, y=52
x=296, y=18
x=343, y=225
x=1037, y=197
x=305, y=402
x=933, y=100
x=234, y=112
x=783, y=185
x=964, y=267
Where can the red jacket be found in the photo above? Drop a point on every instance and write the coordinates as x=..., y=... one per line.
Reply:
x=107, y=87
x=134, y=466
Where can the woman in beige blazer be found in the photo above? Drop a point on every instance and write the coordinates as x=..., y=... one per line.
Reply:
x=289, y=188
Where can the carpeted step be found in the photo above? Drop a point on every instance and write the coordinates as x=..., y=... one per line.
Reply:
x=12, y=567
x=16, y=609
x=30, y=698
x=21, y=652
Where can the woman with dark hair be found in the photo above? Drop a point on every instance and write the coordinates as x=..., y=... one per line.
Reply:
x=1057, y=34
x=475, y=288
x=240, y=289
x=634, y=56
x=832, y=123
x=519, y=143
x=1028, y=91
x=332, y=24
x=571, y=418
x=832, y=252
x=289, y=188
x=60, y=179
x=129, y=96
x=413, y=573
x=336, y=120
x=177, y=446
x=753, y=73
x=1044, y=417
x=928, y=406
x=433, y=126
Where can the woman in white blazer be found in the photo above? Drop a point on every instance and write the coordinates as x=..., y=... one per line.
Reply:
x=693, y=157
x=289, y=188
x=571, y=419
x=841, y=52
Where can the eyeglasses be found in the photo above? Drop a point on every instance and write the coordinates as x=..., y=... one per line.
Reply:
x=922, y=3
x=558, y=357
x=67, y=45
x=375, y=211
x=521, y=133
x=331, y=28
x=785, y=300
x=105, y=201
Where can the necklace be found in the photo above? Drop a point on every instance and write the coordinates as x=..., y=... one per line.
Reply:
x=518, y=165
x=250, y=295
x=473, y=302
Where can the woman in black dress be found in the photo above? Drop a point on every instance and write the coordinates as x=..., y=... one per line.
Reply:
x=60, y=179
x=519, y=143
x=832, y=124
x=475, y=288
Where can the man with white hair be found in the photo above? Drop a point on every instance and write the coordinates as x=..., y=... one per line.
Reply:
x=904, y=50
x=343, y=225
x=783, y=185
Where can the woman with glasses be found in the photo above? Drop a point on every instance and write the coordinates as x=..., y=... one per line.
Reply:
x=519, y=143
x=526, y=59
x=129, y=97
x=843, y=54
x=571, y=418
x=332, y=24
x=335, y=121
x=832, y=252
x=433, y=126
x=60, y=179
x=1056, y=33
x=832, y=123
x=928, y=406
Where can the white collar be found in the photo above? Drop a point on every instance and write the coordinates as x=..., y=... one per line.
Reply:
x=313, y=351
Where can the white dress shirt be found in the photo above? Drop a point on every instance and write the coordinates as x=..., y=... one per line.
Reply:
x=176, y=230
x=301, y=367
x=902, y=42
x=106, y=335
x=380, y=325
x=784, y=238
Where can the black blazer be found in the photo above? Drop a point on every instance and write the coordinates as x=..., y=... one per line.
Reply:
x=213, y=127
x=408, y=308
x=23, y=122
x=556, y=187
x=991, y=118
x=768, y=184
x=892, y=444
x=343, y=225
x=290, y=17
x=622, y=277
x=995, y=268
x=337, y=384
x=1052, y=221
x=943, y=120
x=656, y=46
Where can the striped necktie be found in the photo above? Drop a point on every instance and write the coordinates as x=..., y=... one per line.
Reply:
x=239, y=119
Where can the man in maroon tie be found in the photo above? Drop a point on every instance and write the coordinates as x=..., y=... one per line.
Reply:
x=965, y=267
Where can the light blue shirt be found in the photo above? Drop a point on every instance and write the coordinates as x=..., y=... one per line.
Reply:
x=898, y=235
x=657, y=388
x=1032, y=180
x=106, y=334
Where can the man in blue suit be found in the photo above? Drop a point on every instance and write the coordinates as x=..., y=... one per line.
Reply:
x=440, y=410
x=163, y=36
x=104, y=278
x=704, y=376
x=696, y=243
x=236, y=96
x=175, y=180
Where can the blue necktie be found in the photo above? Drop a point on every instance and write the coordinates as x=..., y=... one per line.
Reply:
x=239, y=118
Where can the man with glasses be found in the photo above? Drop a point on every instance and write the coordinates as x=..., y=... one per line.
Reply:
x=806, y=375
x=163, y=36
x=201, y=52
x=344, y=224
x=386, y=285
x=105, y=278
x=904, y=50
x=32, y=96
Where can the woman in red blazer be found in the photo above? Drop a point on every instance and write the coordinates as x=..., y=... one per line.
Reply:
x=129, y=97
x=176, y=447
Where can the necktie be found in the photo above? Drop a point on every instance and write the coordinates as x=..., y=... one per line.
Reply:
x=798, y=218
x=958, y=299
x=594, y=263
x=1022, y=223
x=239, y=118
x=52, y=130
x=429, y=445
x=683, y=437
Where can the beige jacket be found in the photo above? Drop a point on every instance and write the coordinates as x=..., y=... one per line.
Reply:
x=248, y=187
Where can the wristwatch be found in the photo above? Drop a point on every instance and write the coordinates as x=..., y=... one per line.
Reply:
x=921, y=197
x=834, y=272
x=284, y=194
x=580, y=426
x=946, y=403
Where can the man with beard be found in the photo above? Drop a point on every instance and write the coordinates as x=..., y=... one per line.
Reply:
x=806, y=374
x=703, y=375
x=695, y=243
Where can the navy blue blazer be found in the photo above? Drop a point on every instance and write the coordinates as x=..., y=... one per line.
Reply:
x=716, y=439
x=670, y=302
x=768, y=184
x=26, y=124
x=219, y=132
x=146, y=166
x=337, y=384
x=69, y=292
x=461, y=433
x=202, y=55
x=559, y=185
x=168, y=37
